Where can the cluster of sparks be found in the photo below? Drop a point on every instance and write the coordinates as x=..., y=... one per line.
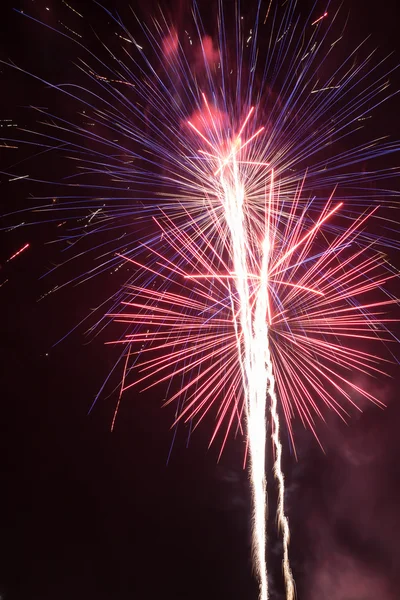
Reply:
x=258, y=296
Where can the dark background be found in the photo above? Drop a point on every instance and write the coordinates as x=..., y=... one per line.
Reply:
x=86, y=513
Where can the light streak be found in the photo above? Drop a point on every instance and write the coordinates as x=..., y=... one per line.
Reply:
x=18, y=178
x=268, y=11
x=320, y=18
x=71, y=30
x=25, y=247
x=324, y=89
x=73, y=9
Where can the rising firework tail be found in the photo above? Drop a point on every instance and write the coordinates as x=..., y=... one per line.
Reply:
x=259, y=281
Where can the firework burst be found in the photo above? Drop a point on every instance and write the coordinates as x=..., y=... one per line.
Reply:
x=268, y=307
x=257, y=278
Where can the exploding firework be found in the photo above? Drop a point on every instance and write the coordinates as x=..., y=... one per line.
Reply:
x=279, y=307
x=258, y=279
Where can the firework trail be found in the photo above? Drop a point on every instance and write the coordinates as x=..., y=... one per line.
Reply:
x=249, y=284
x=256, y=364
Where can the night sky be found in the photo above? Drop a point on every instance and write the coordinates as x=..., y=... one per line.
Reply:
x=90, y=514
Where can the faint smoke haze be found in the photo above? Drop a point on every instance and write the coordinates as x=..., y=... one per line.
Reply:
x=350, y=502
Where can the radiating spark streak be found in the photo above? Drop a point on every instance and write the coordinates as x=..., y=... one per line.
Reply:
x=73, y=9
x=17, y=178
x=242, y=162
x=245, y=122
x=220, y=276
x=25, y=247
x=254, y=163
x=207, y=390
x=268, y=11
x=103, y=78
x=236, y=149
x=324, y=89
x=320, y=18
x=299, y=287
x=200, y=134
x=307, y=236
x=257, y=133
x=209, y=110
x=70, y=30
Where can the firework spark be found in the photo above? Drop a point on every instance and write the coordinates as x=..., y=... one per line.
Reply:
x=22, y=249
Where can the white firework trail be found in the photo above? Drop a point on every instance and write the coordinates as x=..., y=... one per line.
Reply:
x=251, y=321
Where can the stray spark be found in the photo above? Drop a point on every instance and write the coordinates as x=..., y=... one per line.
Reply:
x=20, y=177
x=25, y=247
x=70, y=30
x=320, y=18
x=324, y=89
x=73, y=9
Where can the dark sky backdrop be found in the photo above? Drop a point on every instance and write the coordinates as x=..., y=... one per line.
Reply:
x=87, y=514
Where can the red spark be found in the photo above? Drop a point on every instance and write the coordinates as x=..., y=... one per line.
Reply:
x=25, y=247
x=320, y=18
